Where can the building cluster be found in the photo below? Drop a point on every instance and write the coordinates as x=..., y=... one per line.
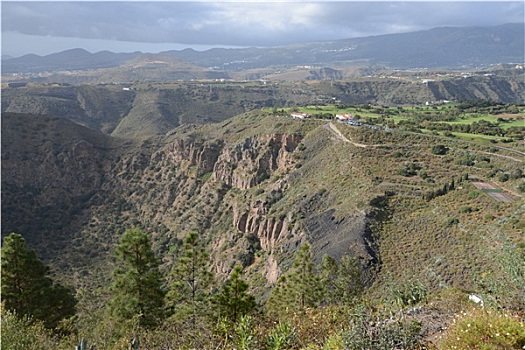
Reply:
x=300, y=115
x=347, y=119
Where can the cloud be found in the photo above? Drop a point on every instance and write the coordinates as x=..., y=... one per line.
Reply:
x=244, y=23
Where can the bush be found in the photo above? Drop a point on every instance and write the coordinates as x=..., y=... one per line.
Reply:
x=451, y=222
x=376, y=332
x=485, y=330
x=282, y=337
x=439, y=150
x=24, y=334
x=473, y=194
x=504, y=177
x=465, y=209
x=410, y=293
x=409, y=169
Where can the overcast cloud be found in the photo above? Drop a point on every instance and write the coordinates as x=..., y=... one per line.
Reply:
x=46, y=27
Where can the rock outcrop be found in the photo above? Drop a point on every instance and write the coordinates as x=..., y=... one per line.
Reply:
x=254, y=160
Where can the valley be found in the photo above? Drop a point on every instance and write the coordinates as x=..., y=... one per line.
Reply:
x=257, y=184
x=351, y=199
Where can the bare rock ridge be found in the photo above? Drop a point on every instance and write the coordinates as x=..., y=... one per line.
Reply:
x=246, y=166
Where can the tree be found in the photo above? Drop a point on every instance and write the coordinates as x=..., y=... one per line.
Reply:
x=328, y=271
x=137, y=282
x=27, y=288
x=232, y=300
x=190, y=290
x=300, y=288
x=342, y=283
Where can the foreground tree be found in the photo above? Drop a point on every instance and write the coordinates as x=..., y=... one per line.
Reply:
x=233, y=300
x=137, y=282
x=190, y=290
x=27, y=288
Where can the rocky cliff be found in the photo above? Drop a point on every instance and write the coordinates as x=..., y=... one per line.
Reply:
x=73, y=200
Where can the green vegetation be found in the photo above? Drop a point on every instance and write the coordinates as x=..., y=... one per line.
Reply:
x=28, y=290
x=136, y=289
x=472, y=120
x=233, y=301
x=485, y=329
x=264, y=232
x=22, y=332
x=192, y=281
x=299, y=289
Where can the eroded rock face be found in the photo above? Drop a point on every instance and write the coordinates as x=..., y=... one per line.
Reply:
x=188, y=153
x=232, y=194
x=268, y=229
x=242, y=167
x=251, y=162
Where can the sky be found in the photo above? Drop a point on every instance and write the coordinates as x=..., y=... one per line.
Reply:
x=43, y=28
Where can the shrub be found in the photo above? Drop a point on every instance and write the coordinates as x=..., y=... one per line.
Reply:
x=484, y=330
x=439, y=150
x=411, y=293
x=379, y=333
x=409, y=169
x=516, y=173
x=473, y=194
x=504, y=177
x=23, y=333
x=281, y=337
x=244, y=337
x=451, y=222
x=465, y=209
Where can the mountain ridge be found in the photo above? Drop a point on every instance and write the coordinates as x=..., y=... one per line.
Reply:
x=442, y=47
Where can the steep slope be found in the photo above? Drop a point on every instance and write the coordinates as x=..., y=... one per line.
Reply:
x=51, y=169
x=255, y=187
x=97, y=107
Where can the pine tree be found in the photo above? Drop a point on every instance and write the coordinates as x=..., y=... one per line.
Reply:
x=232, y=300
x=341, y=283
x=328, y=271
x=300, y=288
x=27, y=288
x=190, y=290
x=349, y=281
x=137, y=282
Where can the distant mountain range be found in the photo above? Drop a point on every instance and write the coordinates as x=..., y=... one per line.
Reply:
x=449, y=47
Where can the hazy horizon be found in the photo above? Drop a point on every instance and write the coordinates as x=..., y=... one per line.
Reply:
x=48, y=27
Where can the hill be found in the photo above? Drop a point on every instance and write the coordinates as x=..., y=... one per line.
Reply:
x=256, y=186
x=74, y=59
x=149, y=108
x=452, y=48
x=429, y=219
